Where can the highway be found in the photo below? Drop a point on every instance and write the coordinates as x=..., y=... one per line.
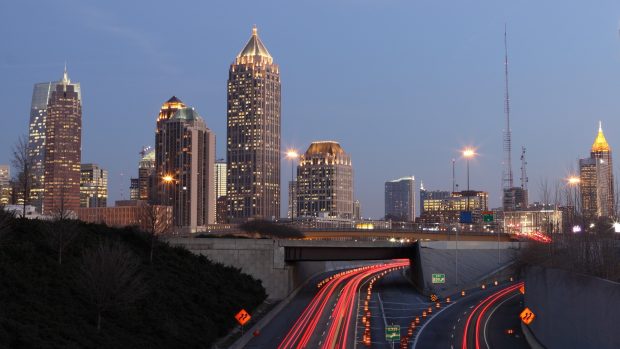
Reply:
x=486, y=318
x=326, y=319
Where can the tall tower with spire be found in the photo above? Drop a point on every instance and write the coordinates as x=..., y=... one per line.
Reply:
x=36, y=134
x=253, y=134
x=597, y=180
x=63, y=148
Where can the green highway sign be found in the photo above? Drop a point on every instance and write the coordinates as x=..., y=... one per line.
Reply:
x=487, y=216
x=439, y=278
x=392, y=333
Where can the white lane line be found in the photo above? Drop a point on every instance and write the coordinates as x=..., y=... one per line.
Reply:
x=382, y=311
x=415, y=342
x=484, y=331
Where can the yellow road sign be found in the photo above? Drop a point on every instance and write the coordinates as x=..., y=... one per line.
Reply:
x=527, y=316
x=242, y=317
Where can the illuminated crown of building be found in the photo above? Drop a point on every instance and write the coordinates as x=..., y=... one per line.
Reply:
x=254, y=51
x=169, y=108
x=600, y=143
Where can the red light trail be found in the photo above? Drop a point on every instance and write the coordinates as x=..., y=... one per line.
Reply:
x=344, y=286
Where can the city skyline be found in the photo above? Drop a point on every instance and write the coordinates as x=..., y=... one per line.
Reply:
x=535, y=112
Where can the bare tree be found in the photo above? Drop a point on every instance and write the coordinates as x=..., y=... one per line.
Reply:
x=24, y=163
x=156, y=220
x=110, y=277
x=6, y=221
x=60, y=233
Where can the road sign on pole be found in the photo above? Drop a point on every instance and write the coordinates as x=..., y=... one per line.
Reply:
x=392, y=333
x=439, y=278
x=242, y=317
x=527, y=316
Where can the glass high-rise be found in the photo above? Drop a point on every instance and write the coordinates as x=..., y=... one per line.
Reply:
x=400, y=199
x=36, y=135
x=184, y=164
x=253, y=134
x=93, y=186
x=63, y=148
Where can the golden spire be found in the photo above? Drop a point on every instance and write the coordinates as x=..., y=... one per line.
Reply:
x=600, y=143
x=254, y=48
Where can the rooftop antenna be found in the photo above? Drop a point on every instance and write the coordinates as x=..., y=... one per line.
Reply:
x=453, y=178
x=507, y=181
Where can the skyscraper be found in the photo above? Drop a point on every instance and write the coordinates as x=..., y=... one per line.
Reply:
x=36, y=135
x=184, y=162
x=62, y=148
x=325, y=182
x=5, y=184
x=221, y=213
x=253, y=134
x=93, y=186
x=400, y=199
x=146, y=175
x=596, y=180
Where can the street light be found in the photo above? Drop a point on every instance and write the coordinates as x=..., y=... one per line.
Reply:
x=574, y=181
x=291, y=154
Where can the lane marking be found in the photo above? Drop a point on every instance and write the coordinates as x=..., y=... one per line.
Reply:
x=486, y=323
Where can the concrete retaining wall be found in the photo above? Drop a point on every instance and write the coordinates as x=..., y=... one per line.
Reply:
x=573, y=311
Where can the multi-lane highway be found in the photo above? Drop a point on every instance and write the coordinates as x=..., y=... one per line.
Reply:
x=352, y=308
x=483, y=318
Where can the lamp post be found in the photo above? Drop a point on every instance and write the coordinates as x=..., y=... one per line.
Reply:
x=467, y=153
x=574, y=181
x=292, y=154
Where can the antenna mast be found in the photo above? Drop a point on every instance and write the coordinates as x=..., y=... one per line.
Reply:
x=524, y=179
x=507, y=181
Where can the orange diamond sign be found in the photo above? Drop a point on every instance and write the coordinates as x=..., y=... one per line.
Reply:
x=242, y=317
x=527, y=316
x=522, y=289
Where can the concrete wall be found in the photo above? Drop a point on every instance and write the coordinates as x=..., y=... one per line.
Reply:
x=573, y=311
x=261, y=258
x=477, y=260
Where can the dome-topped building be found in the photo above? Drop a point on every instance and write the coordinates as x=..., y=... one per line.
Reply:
x=325, y=182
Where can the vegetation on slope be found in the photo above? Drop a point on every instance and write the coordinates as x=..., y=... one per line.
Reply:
x=102, y=291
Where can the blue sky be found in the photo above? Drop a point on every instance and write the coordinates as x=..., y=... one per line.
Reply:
x=402, y=85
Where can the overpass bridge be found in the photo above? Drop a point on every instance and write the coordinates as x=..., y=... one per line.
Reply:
x=396, y=234
x=282, y=265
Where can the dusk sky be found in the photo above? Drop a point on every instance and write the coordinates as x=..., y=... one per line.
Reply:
x=402, y=85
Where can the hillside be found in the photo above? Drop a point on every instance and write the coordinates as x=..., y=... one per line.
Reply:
x=179, y=300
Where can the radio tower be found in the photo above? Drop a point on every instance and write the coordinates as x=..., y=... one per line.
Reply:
x=507, y=181
x=524, y=179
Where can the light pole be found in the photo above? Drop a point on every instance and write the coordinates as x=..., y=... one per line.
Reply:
x=467, y=153
x=292, y=154
x=574, y=181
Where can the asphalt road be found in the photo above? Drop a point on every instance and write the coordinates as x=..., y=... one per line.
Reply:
x=487, y=315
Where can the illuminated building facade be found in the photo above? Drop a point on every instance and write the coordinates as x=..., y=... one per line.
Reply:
x=253, y=134
x=184, y=162
x=431, y=195
x=325, y=182
x=63, y=148
x=220, y=191
x=448, y=209
x=36, y=135
x=596, y=180
x=546, y=220
x=128, y=213
x=400, y=199
x=93, y=186
x=134, y=189
x=146, y=175
x=5, y=185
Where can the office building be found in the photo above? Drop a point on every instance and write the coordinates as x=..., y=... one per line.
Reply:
x=596, y=180
x=448, y=209
x=400, y=199
x=184, y=162
x=134, y=188
x=545, y=220
x=36, y=135
x=431, y=195
x=130, y=213
x=5, y=185
x=63, y=148
x=357, y=210
x=93, y=186
x=220, y=192
x=253, y=134
x=325, y=182
x=146, y=175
